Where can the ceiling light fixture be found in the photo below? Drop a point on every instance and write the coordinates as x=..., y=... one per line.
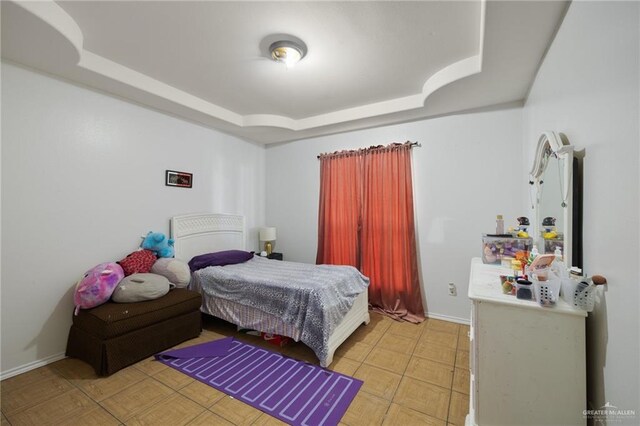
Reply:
x=287, y=52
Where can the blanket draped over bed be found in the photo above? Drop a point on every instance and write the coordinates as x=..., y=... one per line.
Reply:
x=314, y=298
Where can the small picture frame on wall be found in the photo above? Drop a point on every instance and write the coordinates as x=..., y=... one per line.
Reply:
x=180, y=179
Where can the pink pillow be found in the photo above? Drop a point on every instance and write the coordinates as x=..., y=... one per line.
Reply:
x=138, y=262
x=97, y=286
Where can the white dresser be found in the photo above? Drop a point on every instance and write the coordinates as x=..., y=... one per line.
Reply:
x=527, y=362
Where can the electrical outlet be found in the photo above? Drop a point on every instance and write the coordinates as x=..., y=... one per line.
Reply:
x=452, y=290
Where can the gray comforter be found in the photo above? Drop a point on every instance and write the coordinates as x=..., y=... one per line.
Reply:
x=314, y=298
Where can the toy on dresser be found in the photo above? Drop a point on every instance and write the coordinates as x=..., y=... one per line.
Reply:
x=494, y=249
x=521, y=229
x=553, y=239
x=503, y=247
x=549, y=226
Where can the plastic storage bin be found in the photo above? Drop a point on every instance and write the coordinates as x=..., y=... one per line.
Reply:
x=547, y=292
x=579, y=295
x=551, y=244
x=495, y=248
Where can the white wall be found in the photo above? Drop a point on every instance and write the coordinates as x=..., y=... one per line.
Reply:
x=466, y=172
x=82, y=180
x=588, y=89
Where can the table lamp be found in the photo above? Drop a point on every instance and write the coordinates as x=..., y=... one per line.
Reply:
x=268, y=235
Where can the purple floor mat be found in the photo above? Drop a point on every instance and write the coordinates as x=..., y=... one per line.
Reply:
x=293, y=391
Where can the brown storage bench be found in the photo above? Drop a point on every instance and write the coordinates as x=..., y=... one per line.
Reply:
x=115, y=335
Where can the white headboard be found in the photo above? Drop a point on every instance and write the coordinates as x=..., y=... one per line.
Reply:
x=196, y=234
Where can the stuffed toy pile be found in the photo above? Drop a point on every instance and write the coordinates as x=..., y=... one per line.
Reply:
x=158, y=243
x=146, y=274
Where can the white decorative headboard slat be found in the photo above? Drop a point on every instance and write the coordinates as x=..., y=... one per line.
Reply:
x=205, y=233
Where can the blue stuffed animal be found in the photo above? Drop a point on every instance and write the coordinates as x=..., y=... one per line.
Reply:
x=158, y=243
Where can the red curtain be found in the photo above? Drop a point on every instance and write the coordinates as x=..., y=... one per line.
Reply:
x=366, y=220
x=388, y=241
x=340, y=210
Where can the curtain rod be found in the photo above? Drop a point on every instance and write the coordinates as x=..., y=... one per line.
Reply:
x=411, y=144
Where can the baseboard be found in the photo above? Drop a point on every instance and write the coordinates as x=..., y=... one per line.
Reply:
x=31, y=366
x=465, y=321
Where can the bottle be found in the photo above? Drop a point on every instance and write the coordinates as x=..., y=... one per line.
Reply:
x=499, y=225
x=534, y=253
x=516, y=267
x=558, y=254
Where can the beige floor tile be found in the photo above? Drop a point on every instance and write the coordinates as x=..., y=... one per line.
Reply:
x=48, y=394
x=435, y=352
x=461, y=380
x=136, y=399
x=212, y=335
x=356, y=351
x=64, y=406
x=300, y=352
x=191, y=342
x=393, y=342
x=174, y=410
x=430, y=371
x=365, y=409
x=440, y=338
x=458, y=409
x=235, y=411
x=378, y=382
x=173, y=378
x=462, y=359
x=207, y=418
x=399, y=415
x=267, y=420
x=344, y=366
x=97, y=416
x=28, y=395
x=380, y=322
x=444, y=326
x=429, y=399
x=150, y=366
x=406, y=329
x=73, y=368
x=367, y=334
x=202, y=394
x=463, y=342
x=28, y=378
x=104, y=387
x=388, y=360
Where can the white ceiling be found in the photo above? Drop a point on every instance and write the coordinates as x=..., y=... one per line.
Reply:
x=368, y=63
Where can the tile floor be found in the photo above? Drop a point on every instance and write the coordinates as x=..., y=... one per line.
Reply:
x=413, y=374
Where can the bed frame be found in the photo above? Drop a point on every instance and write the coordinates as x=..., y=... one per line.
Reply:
x=196, y=234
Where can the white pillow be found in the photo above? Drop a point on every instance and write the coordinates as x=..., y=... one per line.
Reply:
x=175, y=270
x=141, y=287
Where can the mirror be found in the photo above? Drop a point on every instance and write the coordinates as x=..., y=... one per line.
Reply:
x=556, y=182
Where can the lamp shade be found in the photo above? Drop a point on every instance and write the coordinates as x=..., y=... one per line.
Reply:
x=267, y=234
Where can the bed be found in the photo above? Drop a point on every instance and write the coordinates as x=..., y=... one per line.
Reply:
x=197, y=234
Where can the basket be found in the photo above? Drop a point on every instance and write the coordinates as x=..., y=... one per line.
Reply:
x=547, y=292
x=581, y=296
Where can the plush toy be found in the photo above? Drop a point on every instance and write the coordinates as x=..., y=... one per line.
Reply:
x=549, y=225
x=521, y=229
x=175, y=270
x=97, y=286
x=158, y=243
